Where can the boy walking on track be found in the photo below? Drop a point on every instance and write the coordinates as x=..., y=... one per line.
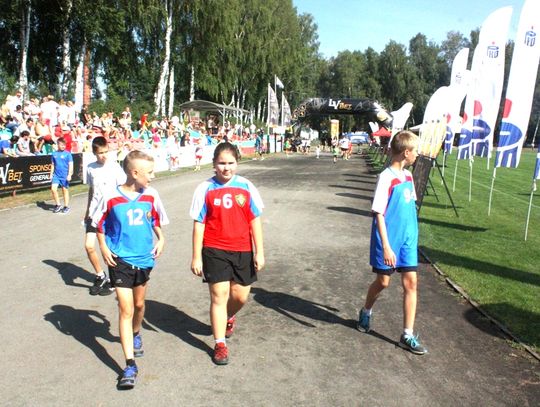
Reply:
x=126, y=220
x=102, y=175
x=227, y=243
x=61, y=173
x=394, y=237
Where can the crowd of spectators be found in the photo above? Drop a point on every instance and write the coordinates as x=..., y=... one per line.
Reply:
x=31, y=127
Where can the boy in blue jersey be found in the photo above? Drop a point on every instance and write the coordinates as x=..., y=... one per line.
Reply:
x=394, y=237
x=126, y=219
x=61, y=172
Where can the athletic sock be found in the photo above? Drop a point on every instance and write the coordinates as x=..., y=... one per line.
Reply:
x=221, y=340
x=130, y=362
x=408, y=332
x=135, y=334
x=101, y=275
x=367, y=311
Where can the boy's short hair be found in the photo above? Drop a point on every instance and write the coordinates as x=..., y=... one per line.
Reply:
x=61, y=140
x=404, y=140
x=135, y=155
x=98, y=142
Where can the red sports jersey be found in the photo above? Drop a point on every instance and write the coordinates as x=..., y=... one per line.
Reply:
x=227, y=211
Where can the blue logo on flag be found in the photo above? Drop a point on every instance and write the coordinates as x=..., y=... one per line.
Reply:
x=492, y=51
x=530, y=38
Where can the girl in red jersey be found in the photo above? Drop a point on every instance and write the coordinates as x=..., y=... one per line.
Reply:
x=227, y=242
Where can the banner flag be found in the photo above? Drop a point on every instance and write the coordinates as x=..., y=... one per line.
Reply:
x=490, y=82
x=520, y=90
x=433, y=129
x=273, y=108
x=400, y=117
x=287, y=115
x=484, y=93
x=459, y=81
x=279, y=84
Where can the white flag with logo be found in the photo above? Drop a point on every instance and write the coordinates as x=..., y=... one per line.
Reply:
x=520, y=90
x=273, y=108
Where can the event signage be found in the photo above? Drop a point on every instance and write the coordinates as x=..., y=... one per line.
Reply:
x=21, y=173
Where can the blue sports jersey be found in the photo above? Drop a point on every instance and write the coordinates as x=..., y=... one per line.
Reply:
x=400, y=219
x=128, y=224
x=61, y=160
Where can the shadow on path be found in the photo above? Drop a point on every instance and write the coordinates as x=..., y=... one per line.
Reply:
x=45, y=206
x=85, y=326
x=70, y=272
x=171, y=320
x=368, y=181
x=525, y=324
x=352, y=211
x=355, y=196
x=287, y=305
x=348, y=187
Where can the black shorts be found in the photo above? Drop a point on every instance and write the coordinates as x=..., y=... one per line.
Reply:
x=389, y=272
x=223, y=265
x=128, y=276
x=89, y=227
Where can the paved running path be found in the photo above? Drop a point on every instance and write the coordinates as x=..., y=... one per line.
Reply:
x=295, y=344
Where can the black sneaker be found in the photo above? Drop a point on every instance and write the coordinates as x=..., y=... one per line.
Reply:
x=102, y=286
x=57, y=208
x=411, y=343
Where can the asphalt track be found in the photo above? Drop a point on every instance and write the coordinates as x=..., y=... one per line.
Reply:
x=295, y=344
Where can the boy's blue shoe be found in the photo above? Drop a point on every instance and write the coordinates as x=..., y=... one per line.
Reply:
x=57, y=208
x=411, y=343
x=363, y=321
x=127, y=381
x=137, y=346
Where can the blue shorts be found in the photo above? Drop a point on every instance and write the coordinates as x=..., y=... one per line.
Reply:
x=63, y=182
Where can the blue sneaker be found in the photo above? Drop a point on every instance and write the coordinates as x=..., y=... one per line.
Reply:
x=127, y=381
x=137, y=346
x=363, y=321
x=411, y=343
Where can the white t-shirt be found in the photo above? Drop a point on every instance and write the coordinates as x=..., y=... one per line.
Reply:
x=103, y=178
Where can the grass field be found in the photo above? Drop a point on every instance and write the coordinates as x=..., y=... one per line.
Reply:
x=487, y=255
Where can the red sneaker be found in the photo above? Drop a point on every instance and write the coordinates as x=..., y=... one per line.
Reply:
x=221, y=354
x=231, y=322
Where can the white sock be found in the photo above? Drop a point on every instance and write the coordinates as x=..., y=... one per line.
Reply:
x=408, y=332
x=101, y=274
x=221, y=340
x=367, y=311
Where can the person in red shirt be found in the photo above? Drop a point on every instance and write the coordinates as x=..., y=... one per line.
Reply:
x=227, y=242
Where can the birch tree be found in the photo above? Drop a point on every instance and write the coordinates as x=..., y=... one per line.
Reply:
x=65, y=75
x=26, y=14
x=160, y=95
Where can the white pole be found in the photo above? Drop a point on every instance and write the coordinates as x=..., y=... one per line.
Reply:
x=529, y=210
x=455, y=174
x=470, y=178
x=491, y=190
x=282, y=123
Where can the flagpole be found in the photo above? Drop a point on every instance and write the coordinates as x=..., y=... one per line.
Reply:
x=470, y=177
x=491, y=190
x=268, y=110
x=529, y=210
x=282, y=97
x=455, y=172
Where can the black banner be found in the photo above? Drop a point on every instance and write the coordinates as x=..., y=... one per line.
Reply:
x=421, y=171
x=22, y=173
x=319, y=106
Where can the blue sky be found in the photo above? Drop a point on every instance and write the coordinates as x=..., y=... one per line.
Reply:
x=358, y=24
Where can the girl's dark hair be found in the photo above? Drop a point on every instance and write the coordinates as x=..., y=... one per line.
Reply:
x=226, y=146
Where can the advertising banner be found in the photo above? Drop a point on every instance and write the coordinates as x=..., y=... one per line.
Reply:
x=21, y=173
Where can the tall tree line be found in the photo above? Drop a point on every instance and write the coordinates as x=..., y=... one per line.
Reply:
x=154, y=54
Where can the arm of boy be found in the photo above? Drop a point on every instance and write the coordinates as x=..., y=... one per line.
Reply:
x=256, y=233
x=388, y=253
x=197, y=243
x=108, y=256
x=158, y=248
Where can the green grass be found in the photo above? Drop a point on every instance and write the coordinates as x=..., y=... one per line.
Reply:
x=487, y=255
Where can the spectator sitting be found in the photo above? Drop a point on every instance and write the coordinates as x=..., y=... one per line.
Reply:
x=23, y=145
x=7, y=147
